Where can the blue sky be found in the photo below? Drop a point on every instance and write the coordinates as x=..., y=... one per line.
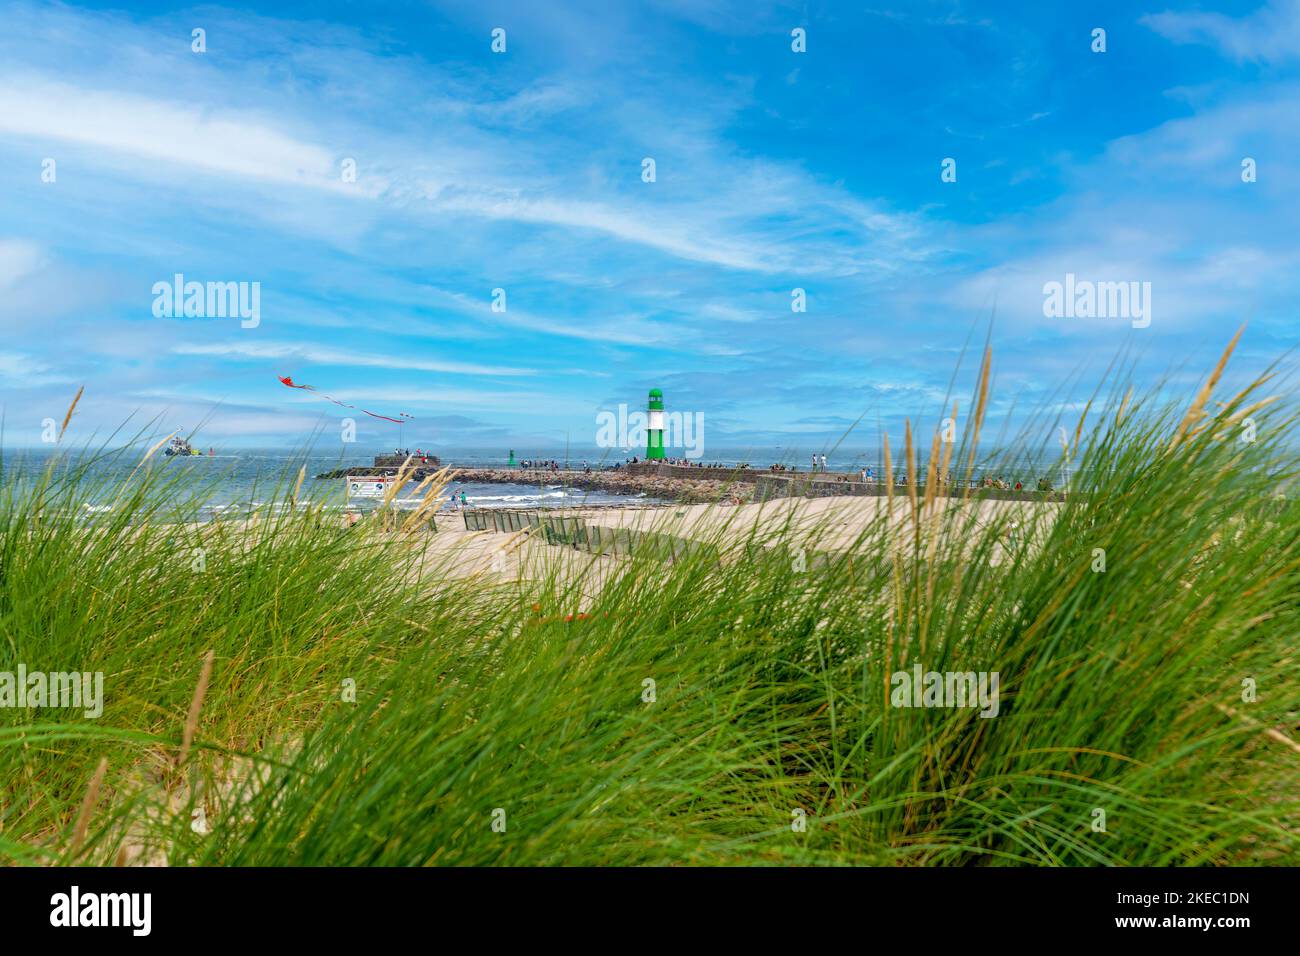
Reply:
x=775, y=170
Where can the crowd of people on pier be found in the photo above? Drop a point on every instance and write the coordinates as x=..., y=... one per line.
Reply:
x=692, y=463
x=676, y=462
x=419, y=454
x=818, y=464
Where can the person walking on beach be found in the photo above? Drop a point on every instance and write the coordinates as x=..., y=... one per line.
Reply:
x=463, y=501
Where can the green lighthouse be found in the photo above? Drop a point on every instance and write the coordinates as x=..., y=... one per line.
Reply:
x=654, y=435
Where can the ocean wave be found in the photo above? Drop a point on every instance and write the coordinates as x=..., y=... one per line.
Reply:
x=536, y=497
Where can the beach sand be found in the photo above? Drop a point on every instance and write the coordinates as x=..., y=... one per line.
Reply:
x=818, y=524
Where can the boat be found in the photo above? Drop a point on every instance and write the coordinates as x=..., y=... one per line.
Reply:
x=179, y=447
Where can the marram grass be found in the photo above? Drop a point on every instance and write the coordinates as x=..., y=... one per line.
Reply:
x=369, y=701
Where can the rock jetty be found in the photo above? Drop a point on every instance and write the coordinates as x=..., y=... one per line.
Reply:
x=614, y=481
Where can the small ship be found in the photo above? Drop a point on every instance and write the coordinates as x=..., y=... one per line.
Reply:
x=179, y=447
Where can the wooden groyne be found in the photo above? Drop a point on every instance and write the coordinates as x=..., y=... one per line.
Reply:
x=554, y=527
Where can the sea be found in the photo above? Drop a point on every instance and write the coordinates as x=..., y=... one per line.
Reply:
x=230, y=482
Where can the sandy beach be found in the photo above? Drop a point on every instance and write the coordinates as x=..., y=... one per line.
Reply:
x=830, y=524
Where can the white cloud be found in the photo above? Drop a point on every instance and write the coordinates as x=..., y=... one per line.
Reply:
x=1270, y=34
x=18, y=258
x=18, y=370
x=627, y=224
x=716, y=228
x=244, y=145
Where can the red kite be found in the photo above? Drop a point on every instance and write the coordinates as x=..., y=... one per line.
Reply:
x=288, y=380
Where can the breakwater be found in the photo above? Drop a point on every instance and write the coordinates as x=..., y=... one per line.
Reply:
x=657, y=469
x=693, y=485
x=618, y=481
x=396, y=461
